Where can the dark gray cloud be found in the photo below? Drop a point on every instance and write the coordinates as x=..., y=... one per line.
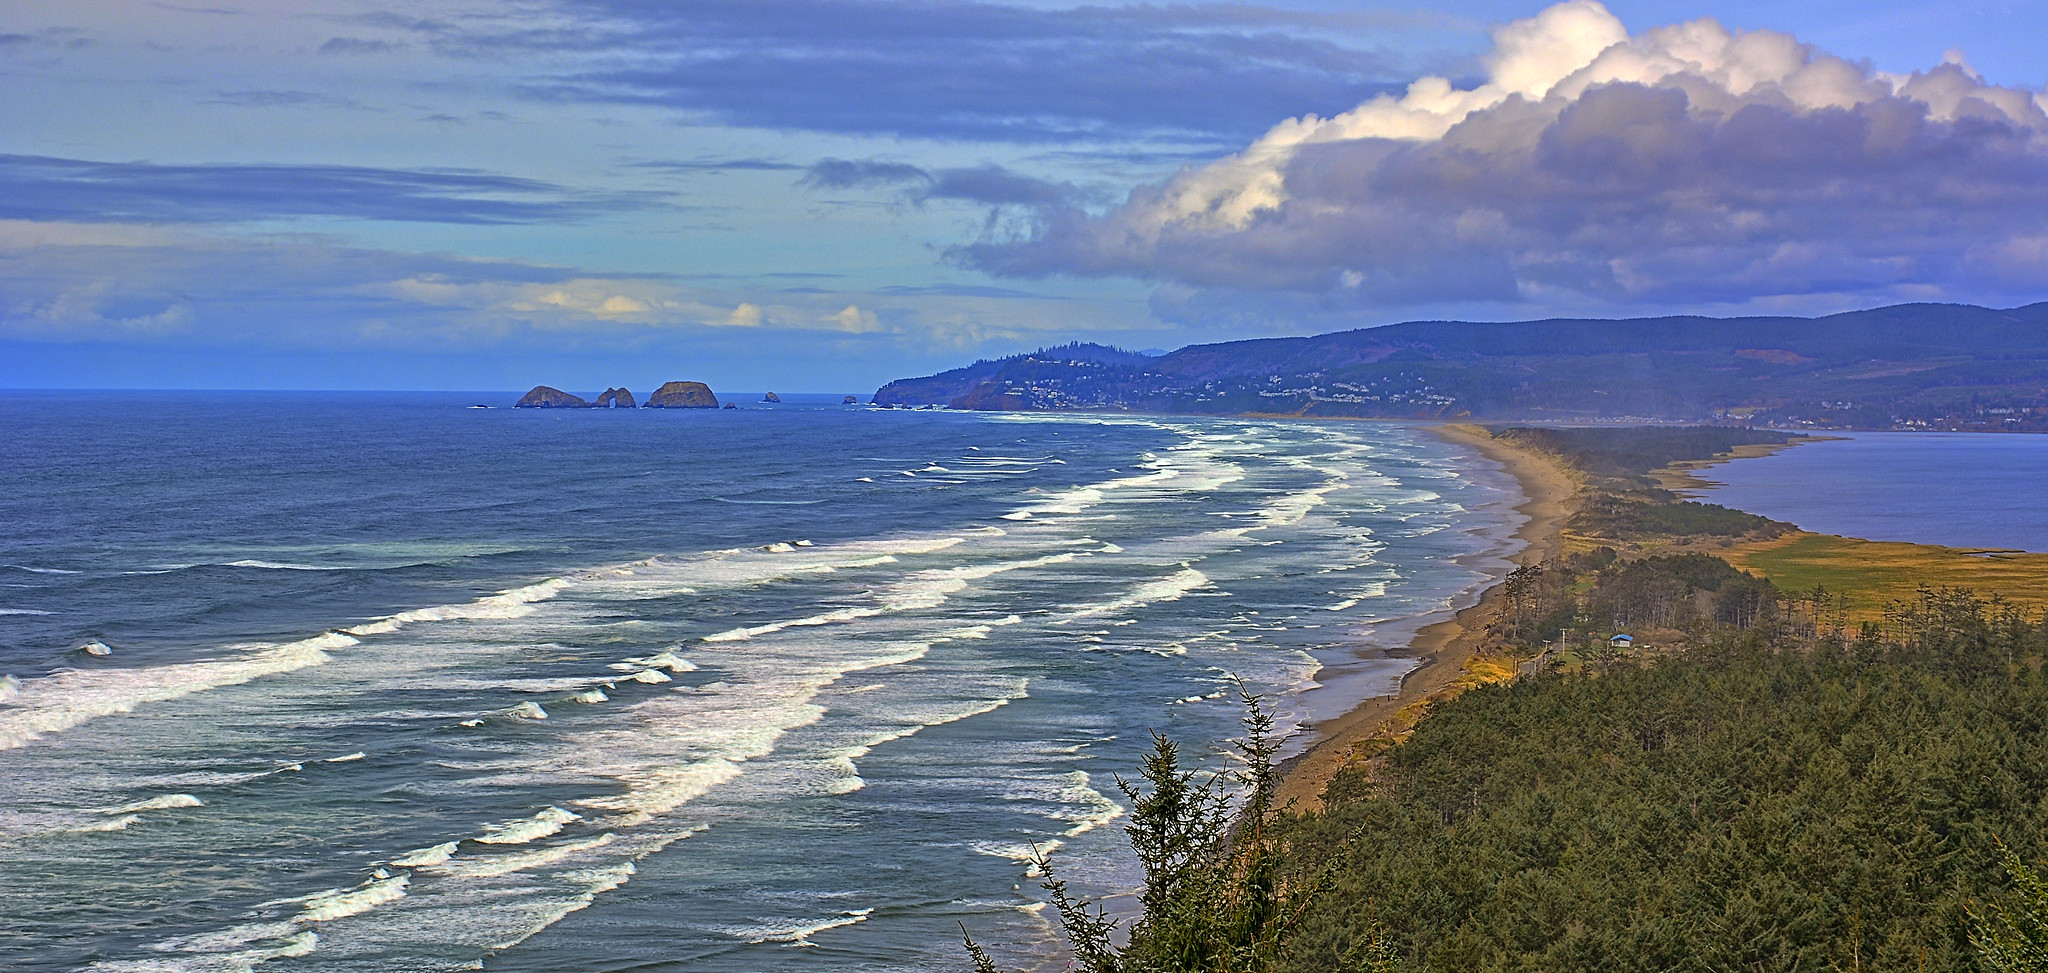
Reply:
x=953, y=70
x=1622, y=194
x=705, y=165
x=264, y=98
x=357, y=45
x=43, y=188
x=989, y=185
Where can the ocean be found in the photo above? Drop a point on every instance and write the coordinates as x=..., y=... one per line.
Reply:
x=1953, y=489
x=381, y=682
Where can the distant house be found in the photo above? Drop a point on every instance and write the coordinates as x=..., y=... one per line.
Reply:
x=1621, y=642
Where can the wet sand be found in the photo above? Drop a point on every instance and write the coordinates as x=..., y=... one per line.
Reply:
x=1446, y=648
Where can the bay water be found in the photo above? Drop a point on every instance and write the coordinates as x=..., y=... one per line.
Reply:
x=1977, y=490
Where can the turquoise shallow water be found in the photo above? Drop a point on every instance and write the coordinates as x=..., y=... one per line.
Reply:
x=1956, y=489
x=378, y=682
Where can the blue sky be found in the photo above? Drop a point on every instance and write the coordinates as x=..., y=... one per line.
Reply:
x=822, y=195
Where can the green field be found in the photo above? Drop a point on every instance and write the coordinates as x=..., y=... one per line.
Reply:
x=1870, y=574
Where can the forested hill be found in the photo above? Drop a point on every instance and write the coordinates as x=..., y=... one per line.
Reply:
x=1909, y=366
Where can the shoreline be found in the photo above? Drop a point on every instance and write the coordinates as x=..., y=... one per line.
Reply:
x=1445, y=649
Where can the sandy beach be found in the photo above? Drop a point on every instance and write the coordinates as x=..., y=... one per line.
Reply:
x=1446, y=648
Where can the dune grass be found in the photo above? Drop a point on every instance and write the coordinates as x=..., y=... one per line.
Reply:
x=1868, y=575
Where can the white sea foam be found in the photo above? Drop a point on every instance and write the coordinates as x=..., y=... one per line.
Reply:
x=281, y=566
x=652, y=676
x=507, y=864
x=157, y=804
x=96, y=647
x=528, y=710
x=23, y=611
x=665, y=660
x=590, y=696
x=342, y=903
x=432, y=855
x=64, y=699
x=35, y=570
x=515, y=603
x=549, y=821
x=221, y=952
x=118, y=824
x=793, y=931
x=345, y=758
x=823, y=618
x=1171, y=588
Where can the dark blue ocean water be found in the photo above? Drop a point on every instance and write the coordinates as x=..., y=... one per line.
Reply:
x=1955, y=489
x=379, y=682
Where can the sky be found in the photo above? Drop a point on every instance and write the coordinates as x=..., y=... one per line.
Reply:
x=823, y=195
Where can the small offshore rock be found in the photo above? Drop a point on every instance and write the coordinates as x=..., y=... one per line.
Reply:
x=615, y=398
x=683, y=395
x=771, y=397
x=852, y=400
x=543, y=397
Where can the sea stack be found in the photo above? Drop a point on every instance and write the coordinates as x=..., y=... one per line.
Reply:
x=615, y=398
x=771, y=397
x=852, y=400
x=683, y=395
x=543, y=397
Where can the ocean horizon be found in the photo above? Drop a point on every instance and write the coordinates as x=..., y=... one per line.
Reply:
x=371, y=681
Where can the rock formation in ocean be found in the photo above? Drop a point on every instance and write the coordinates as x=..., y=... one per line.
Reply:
x=852, y=400
x=771, y=397
x=683, y=395
x=615, y=398
x=543, y=397
x=730, y=405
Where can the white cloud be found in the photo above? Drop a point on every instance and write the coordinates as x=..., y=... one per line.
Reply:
x=1683, y=164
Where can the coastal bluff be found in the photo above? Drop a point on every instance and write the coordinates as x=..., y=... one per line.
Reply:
x=683, y=395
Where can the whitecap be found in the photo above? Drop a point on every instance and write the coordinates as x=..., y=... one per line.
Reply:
x=665, y=660
x=165, y=802
x=118, y=824
x=497, y=865
x=528, y=710
x=549, y=821
x=345, y=758
x=592, y=695
x=64, y=699
x=23, y=611
x=97, y=648
x=342, y=903
x=432, y=855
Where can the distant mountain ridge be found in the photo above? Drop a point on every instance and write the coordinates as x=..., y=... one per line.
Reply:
x=1906, y=366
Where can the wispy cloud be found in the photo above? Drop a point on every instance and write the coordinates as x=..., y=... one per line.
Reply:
x=990, y=185
x=711, y=165
x=45, y=188
x=948, y=70
x=358, y=45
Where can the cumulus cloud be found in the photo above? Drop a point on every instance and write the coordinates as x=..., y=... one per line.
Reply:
x=1681, y=165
